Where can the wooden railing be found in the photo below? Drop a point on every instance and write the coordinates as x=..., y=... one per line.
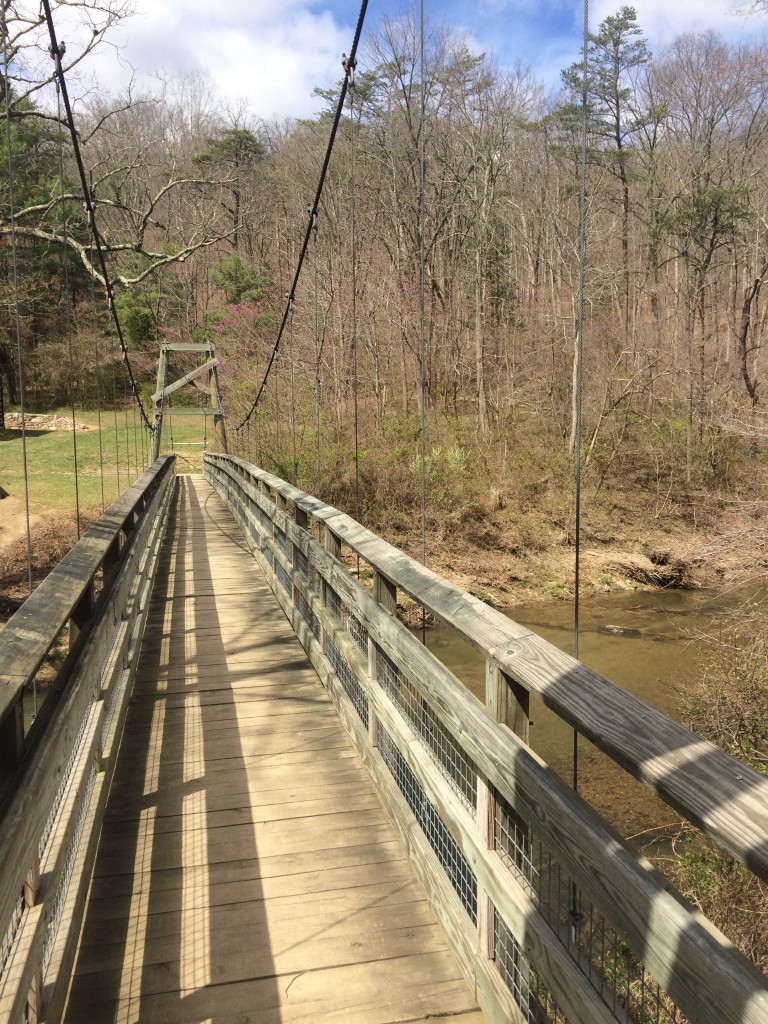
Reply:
x=551, y=916
x=81, y=629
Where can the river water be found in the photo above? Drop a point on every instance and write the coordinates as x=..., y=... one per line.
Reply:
x=659, y=655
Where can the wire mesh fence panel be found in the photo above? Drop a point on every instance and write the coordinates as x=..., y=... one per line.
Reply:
x=302, y=564
x=346, y=677
x=65, y=777
x=454, y=763
x=356, y=630
x=453, y=861
x=528, y=990
x=57, y=904
x=281, y=540
x=283, y=577
x=307, y=614
x=333, y=602
x=10, y=932
x=601, y=954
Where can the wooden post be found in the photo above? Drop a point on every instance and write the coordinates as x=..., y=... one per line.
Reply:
x=32, y=883
x=486, y=823
x=219, y=427
x=385, y=592
x=12, y=737
x=129, y=525
x=332, y=545
x=162, y=370
x=81, y=614
x=35, y=993
x=35, y=997
x=300, y=518
x=507, y=701
x=110, y=560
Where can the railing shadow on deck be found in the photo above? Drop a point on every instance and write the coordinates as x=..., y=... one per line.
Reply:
x=181, y=948
x=551, y=915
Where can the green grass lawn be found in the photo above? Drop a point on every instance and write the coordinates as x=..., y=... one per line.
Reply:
x=108, y=460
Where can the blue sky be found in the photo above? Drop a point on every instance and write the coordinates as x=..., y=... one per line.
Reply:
x=270, y=54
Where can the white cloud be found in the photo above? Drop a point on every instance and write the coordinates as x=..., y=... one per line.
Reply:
x=269, y=53
x=662, y=21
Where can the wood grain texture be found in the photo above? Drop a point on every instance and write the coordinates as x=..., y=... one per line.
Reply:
x=246, y=870
x=26, y=638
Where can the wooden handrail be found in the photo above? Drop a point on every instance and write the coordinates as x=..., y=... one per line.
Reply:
x=52, y=812
x=693, y=963
x=719, y=794
x=28, y=636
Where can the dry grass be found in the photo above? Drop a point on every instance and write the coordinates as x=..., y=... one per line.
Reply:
x=52, y=536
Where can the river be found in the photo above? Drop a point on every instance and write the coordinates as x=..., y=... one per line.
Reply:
x=659, y=655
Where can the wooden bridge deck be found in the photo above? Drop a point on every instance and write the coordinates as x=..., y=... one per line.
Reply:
x=246, y=872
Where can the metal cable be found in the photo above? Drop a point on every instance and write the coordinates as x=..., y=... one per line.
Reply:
x=578, y=379
x=17, y=313
x=135, y=440
x=144, y=459
x=117, y=442
x=295, y=471
x=88, y=201
x=355, y=382
x=317, y=362
x=97, y=349
x=312, y=211
x=422, y=305
x=68, y=312
x=127, y=431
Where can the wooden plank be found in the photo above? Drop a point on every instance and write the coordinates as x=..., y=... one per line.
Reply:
x=185, y=346
x=385, y=991
x=192, y=410
x=163, y=393
x=243, y=850
x=27, y=636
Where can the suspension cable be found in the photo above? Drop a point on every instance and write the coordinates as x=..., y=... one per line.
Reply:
x=578, y=383
x=135, y=440
x=127, y=430
x=292, y=378
x=99, y=384
x=57, y=52
x=318, y=352
x=349, y=66
x=17, y=314
x=576, y=913
x=68, y=311
x=117, y=431
x=422, y=283
x=355, y=382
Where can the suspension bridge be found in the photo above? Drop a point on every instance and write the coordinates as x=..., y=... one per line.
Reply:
x=235, y=788
x=251, y=794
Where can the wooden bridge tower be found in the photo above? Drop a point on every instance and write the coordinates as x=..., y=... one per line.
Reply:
x=211, y=389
